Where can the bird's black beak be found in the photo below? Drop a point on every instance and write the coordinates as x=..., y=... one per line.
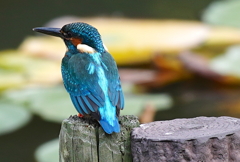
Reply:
x=49, y=31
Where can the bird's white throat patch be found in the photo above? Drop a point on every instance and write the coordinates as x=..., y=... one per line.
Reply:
x=105, y=47
x=83, y=48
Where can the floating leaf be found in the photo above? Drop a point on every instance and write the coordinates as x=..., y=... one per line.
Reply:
x=46, y=47
x=51, y=103
x=223, y=13
x=198, y=64
x=134, y=76
x=10, y=79
x=223, y=68
x=12, y=117
x=227, y=63
x=221, y=37
x=134, y=104
x=48, y=152
x=20, y=69
x=151, y=79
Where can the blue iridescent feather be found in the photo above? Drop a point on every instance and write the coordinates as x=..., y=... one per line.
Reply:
x=92, y=81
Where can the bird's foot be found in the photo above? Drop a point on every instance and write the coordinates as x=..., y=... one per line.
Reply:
x=80, y=115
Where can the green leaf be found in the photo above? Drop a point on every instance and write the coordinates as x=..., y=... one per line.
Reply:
x=48, y=152
x=10, y=79
x=224, y=13
x=12, y=117
x=51, y=103
x=18, y=69
x=227, y=63
x=134, y=104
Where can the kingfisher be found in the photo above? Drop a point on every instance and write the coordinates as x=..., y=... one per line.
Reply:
x=90, y=74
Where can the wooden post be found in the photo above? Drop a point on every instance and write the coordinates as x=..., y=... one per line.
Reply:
x=83, y=140
x=203, y=139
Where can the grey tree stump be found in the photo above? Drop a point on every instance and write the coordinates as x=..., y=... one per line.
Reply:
x=201, y=139
x=83, y=140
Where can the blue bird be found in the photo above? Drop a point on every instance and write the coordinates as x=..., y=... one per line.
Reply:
x=90, y=74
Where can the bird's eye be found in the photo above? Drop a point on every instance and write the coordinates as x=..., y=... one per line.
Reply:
x=67, y=35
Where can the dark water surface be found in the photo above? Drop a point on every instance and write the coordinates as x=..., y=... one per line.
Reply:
x=21, y=145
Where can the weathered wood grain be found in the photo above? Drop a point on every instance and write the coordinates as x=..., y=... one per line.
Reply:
x=83, y=140
x=205, y=139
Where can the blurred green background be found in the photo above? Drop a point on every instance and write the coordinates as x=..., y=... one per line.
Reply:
x=176, y=60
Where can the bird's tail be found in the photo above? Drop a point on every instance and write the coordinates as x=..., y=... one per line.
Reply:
x=108, y=128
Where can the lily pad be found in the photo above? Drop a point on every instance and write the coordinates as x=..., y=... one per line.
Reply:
x=10, y=79
x=51, y=103
x=227, y=63
x=220, y=37
x=223, y=13
x=18, y=70
x=54, y=104
x=12, y=117
x=134, y=104
x=48, y=152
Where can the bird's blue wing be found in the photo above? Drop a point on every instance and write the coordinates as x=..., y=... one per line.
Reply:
x=81, y=82
x=115, y=92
